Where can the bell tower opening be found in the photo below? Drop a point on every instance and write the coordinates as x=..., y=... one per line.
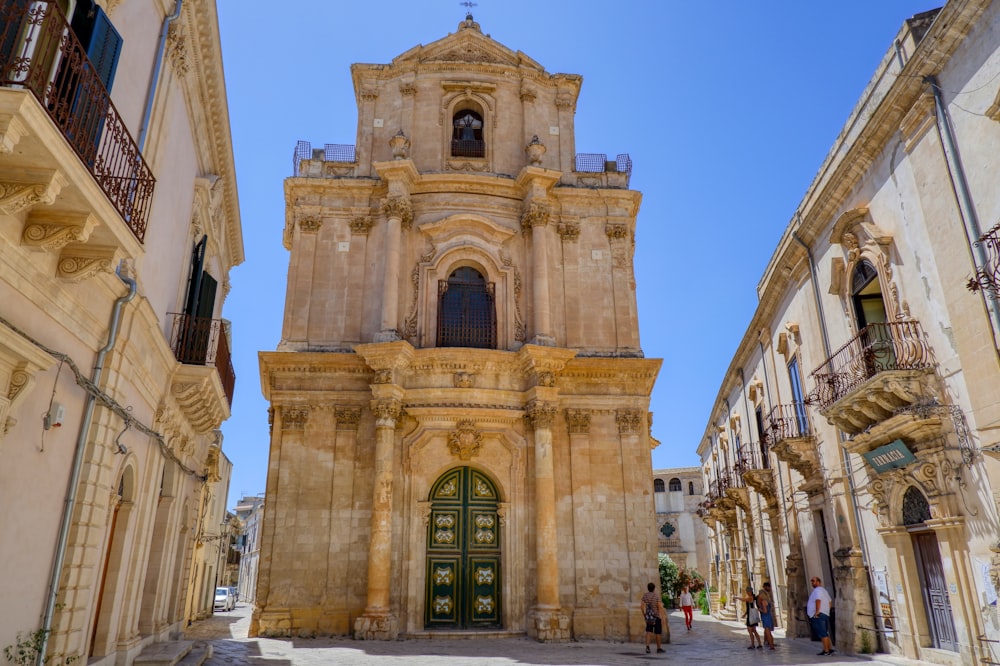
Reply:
x=467, y=136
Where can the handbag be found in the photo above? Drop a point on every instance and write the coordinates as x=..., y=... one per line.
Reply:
x=753, y=616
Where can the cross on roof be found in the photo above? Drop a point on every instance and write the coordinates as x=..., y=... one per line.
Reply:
x=468, y=7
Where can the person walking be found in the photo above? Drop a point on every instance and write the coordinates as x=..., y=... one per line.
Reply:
x=752, y=617
x=686, y=605
x=818, y=611
x=766, y=609
x=652, y=613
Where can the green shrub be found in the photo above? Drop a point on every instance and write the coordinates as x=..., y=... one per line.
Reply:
x=702, y=602
x=25, y=651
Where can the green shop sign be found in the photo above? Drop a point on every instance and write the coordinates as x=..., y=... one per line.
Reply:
x=891, y=456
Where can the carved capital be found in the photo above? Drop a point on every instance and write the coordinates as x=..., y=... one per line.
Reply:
x=540, y=414
x=79, y=262
x=361, y=224
x=399, y=208
x=407, y=89
x=616, y=231
x=629, y=421
x=466, y=440
x=564, y=102
x=310, y=225
x=294, y=418
x=382, y=376
x=387, y=412
x=54, y=232
x=569, y=231
x=177, y=49
x=348, y=418
x=535, y=214
x=578, y=421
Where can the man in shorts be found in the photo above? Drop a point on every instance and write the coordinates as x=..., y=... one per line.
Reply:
x=818, y=610
x=766, y=609
x=651, y=605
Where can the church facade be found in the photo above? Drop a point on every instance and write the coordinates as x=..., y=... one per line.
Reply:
x=459, y=402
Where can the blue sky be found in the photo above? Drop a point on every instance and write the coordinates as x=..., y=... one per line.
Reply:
x=727, y=109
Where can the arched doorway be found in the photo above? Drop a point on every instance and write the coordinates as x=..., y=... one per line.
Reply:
x=107, y=591
x=933, y=585
x=463, y=553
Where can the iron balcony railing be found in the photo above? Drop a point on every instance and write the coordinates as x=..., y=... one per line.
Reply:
x=468, y=148
x=343, y=153
x=203, y=341
x=786, y=422
x=39, y=52
x=875, y=349
x=987, y=278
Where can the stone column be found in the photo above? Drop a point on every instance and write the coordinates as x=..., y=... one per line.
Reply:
x=535, y=217
x=548, y=623
x=399, y=175
x=378, y=622
x=904, y=587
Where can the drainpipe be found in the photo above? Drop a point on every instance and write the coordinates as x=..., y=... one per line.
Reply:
x=154, y=79
x=846, y=455
x=960, y=188
x=74, y=478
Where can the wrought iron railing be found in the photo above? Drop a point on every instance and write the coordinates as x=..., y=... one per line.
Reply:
x=786, y=422
x=754, y=456
x=876, y=348
x=203, y=341
x=987, y=278
x=468, y=148
x=599, y=163
x=39, y=52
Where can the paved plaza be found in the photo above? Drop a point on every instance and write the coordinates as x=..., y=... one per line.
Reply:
x=711, y=641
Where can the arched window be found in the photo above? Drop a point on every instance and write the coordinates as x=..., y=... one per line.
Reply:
x=690, y=487
x=467, y=135
x=466, y=311
x=916, y=510
x=658, y=485
x=675, y=485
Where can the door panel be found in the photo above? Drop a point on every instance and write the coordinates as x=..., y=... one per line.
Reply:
x=463, y=553
x=935, y=591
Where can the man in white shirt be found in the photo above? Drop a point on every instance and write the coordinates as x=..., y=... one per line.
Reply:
x=818, y=611
x=686, y=605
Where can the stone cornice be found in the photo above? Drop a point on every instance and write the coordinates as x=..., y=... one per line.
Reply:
x=209, y=88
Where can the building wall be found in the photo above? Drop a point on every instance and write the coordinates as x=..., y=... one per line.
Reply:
x=250, y=511
x=67, y=252
x=688, y=545
x=813, y=504
x=553, y=414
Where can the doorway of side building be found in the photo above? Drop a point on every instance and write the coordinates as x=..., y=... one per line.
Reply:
x=463, y=553
x=933, y=586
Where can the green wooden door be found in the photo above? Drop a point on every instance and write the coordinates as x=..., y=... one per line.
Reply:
x=463, y=552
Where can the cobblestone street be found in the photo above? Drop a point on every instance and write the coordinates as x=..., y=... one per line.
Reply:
x=710, y=641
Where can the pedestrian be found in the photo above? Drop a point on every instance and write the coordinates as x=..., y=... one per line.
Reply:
x=766, y=609
x=686, y=606
x=818, y=610
x=752, y=617
x=652, y=612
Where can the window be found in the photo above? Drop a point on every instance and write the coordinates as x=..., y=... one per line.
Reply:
x=658, y=485
x=466, y=311
x=675, y=485
x=866, y=292
x=467, y=136
x=690, y=487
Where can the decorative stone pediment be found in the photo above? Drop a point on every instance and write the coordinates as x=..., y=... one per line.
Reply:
x=468, y=45
x=465, y=229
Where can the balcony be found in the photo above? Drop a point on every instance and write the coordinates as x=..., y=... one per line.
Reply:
x=56, y=121
x=755, y=468
x=333, y=160
x=987, y=278
x=789, y=436
x=884, y=368
x=205, y=381
x=734, y=488
x=595, y=170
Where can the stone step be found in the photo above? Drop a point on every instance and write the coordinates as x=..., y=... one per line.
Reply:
x=167, y=653
x=444, y=634
x=199, y=654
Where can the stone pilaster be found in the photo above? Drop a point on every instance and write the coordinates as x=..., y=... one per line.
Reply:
x=535, y=217
x=378, y=621
x=398, y=211
x=548, y=623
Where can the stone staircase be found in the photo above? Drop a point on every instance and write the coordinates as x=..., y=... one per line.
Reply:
x=175, y=653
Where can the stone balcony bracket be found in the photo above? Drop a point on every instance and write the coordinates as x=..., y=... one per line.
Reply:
x=740, y=496
x=909, y=427
x=762, y=481
x=878, y=399
x=799, y=453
